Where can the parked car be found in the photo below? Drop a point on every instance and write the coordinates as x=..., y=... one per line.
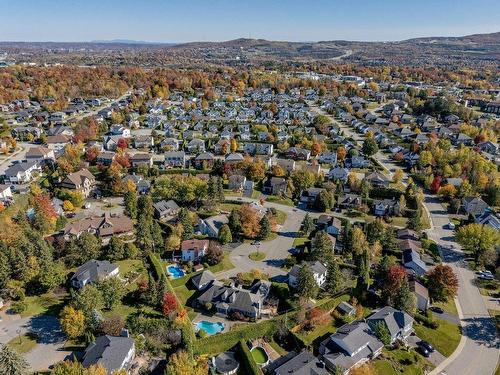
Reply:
x=486, y=276
x=426, y=346
x=436, y=309
x=423, y=351
x=450, y=225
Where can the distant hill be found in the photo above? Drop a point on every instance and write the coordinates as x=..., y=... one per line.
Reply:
x=129, y=41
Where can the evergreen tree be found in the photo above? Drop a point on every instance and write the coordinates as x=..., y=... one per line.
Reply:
x=116, y=249
x=234, y=222
x=382, y=333
x=308, y=225
x=225, y=235
x=405, y=299
x=347, y=237
x=306, y=285
x=220, y=190
x=265, y=228
x=12, y=363
x=157, y=236
x=324, y=201
x=415, y=221
x=187, y=224
x=130, y=201
x=334, y=278
x=322, y=247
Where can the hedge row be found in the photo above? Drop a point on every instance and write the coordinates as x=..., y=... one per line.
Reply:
x=223, y=341
x=187, y=330
x=251, y=368
x=428, y=322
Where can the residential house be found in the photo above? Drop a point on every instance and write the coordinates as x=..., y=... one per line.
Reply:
x=170, y=144
x=328, y=157
x=275, y=186
x=258, y=148
x=21, y=173
x=105, y=158
x=141, y=184
x=296, y=153
x=203, y=280
x=349, y=201
x=233, y=158
x=339, y=174
x=193, y=250
x=407, y=234
x=119, y=130
x=5, y=193
x=421, y=295
x=166, y=210
x=40, y=154
x=351, y=345
x=332, y=225
x=205, y=160
x=229, y=300
x=82, y=181
x=303, y=363
x=236, y=182
x=398, y=323
x=474, y=205
x=309, y=195
x=93, y=271
x=413, y=263
x=104, y=226
x=318, y=269
x=196, y=146
x=288, y=165
x=175, y=159
x=211, y=225
x=386, y=207
x=112, y=353
x=141, y=159
x=143, y=141
x=377, y=179
x=57, y=142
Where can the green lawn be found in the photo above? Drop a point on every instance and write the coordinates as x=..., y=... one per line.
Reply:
x=183, y=293
x=448, y=306
x=279, y=200
x=490, y=288
x=319, y=331
x=23, y=344
x=280, y=217
x=48, y=303
x=300, y=241
x=257, y=256
x=400, y=361
x=445, y=338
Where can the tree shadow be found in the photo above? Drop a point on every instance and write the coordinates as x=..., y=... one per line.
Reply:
x=46, y=328
x=275, y=262
x=483, y=331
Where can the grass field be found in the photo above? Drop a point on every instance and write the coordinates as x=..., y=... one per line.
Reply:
x=445, y=338
x=256, y=256
x=400, y=361
x=48, y=303
x=300, y=241
x=278, y=200
x=23, y=344
x=448, y=306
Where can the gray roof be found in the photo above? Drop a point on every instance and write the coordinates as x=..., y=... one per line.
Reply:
x=108, y=351
x=234, y=298
x=19, y=167
x=304, y=363
x=202, y=278
x=163, y=205
x=356, y=337
x=395, y=320
x=93, y=270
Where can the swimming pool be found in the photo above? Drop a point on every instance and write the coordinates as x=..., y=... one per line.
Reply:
x=209, y=327
x=175, y=271
x=260, y=356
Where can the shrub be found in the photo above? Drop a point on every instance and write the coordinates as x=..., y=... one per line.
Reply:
x=19, y=307
x=428, y=322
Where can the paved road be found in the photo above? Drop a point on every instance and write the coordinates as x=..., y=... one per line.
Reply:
x=276, y=250
x=18, y=155
x=478, y=351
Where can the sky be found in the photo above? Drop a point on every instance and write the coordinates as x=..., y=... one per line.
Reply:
x=219, y=20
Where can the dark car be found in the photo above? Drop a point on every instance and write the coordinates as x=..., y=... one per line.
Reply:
x=423, y=351
x=426, y=346
x=436, y=309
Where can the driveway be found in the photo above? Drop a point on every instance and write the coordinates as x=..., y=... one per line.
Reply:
x=50, y=338
x=435, y=358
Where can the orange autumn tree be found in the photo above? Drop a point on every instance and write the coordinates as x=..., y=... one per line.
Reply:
x=249, y=221
x=45, y=214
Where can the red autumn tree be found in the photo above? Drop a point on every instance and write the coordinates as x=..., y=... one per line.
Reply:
x=436, y=184
x=91, y=154
x=442, y=283
x=122, y=143
x=169, y=304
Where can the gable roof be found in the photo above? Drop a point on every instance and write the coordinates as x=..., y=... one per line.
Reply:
x=93, y=270
x=108, y=351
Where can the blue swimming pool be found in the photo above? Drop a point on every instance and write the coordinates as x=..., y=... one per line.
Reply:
x=175, y=271
x=209, y=327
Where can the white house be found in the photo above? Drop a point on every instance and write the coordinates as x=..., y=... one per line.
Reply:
x=318, y=269
x=193, y=250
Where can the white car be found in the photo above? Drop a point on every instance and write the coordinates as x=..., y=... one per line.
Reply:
x=450, y=225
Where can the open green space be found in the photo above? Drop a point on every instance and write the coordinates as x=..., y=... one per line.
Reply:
x=257, y=256
x=48, y=303
x=400, y=361
x=23, y=344
x=445, y=338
